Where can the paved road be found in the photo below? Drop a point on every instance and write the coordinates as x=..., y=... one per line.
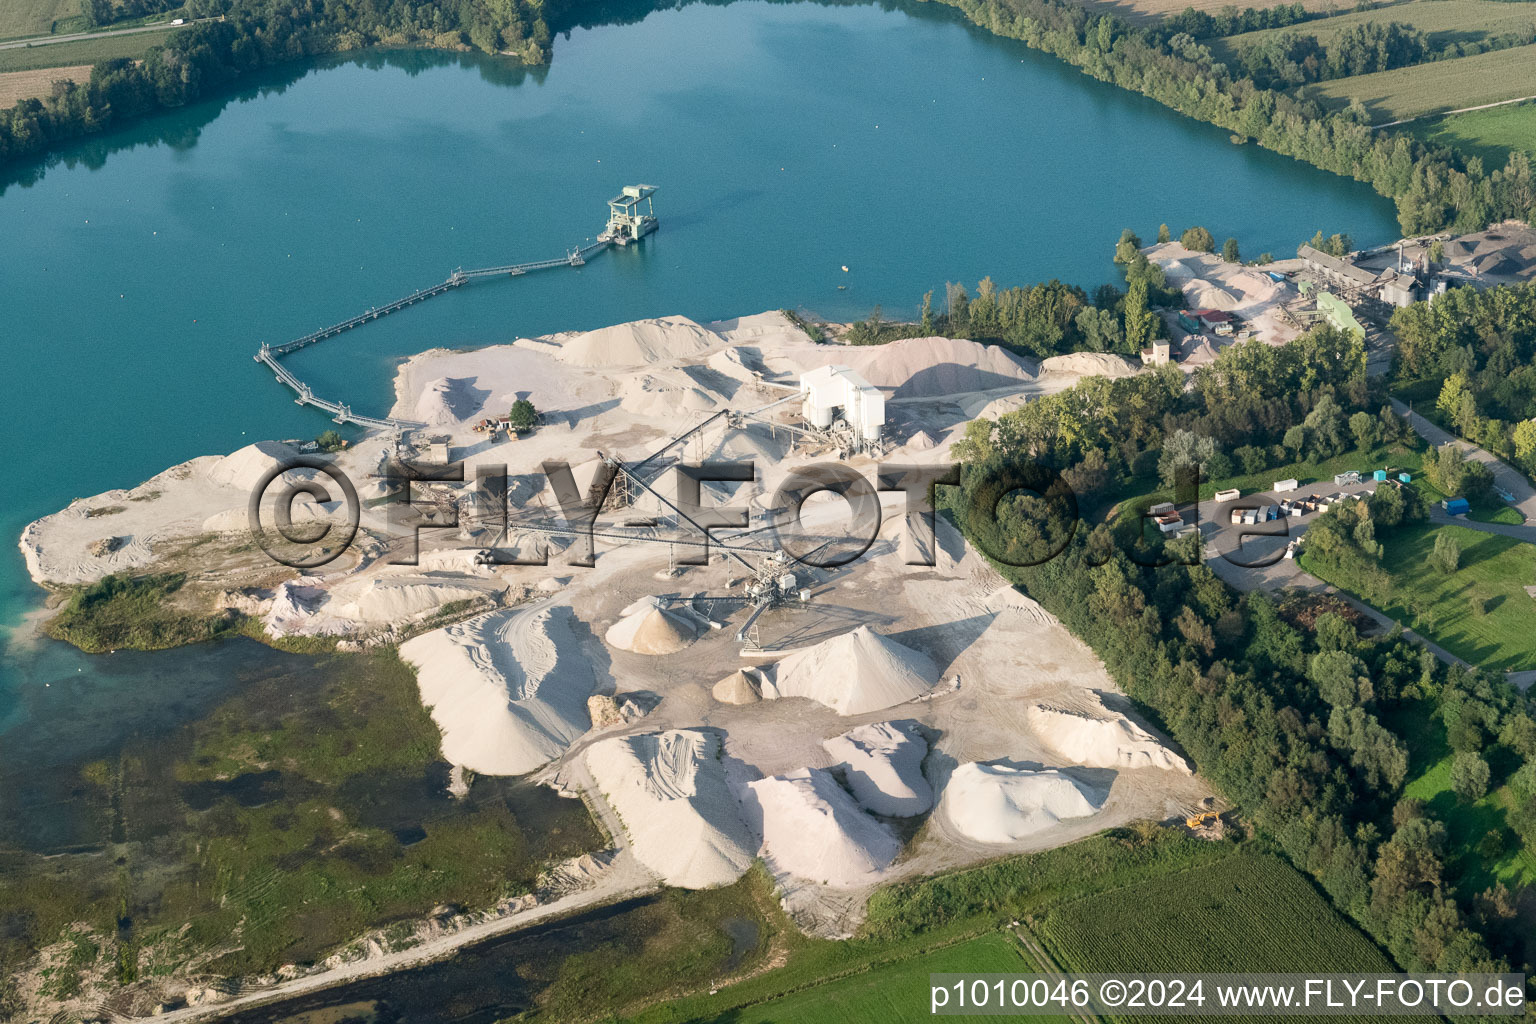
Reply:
x=1506, y=477
x=1525, y=532
x=1220, y=535
x=19, y=44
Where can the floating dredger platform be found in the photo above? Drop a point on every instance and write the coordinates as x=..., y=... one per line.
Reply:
x=627, y=222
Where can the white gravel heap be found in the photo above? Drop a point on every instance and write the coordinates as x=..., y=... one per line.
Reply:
x=662, y=339
x=855, y=673
x=812, y=829
x=649, y=627
x=669, y=789
x=989, y=802
x=508, y=689
x=244, y=469
x=883, y=763
x=1101, y=739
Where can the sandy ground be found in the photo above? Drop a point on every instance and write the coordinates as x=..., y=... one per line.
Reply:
x=1209, y=282
x=16, y=86
x=996, y=655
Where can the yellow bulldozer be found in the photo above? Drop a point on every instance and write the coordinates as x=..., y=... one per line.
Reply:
x=1201, y=820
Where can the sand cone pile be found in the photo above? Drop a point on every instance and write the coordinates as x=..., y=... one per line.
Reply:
x=855, y=673
x=740, y=687
x=649, y=627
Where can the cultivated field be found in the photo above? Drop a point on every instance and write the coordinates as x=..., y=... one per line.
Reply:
x=1444, y=21
x=1492, y=134
x=35, y=17
x=1246, y=913
x=1438, y=87
x=16, y=86
x=88, y=51
x=1143, y=11
x=894, y=992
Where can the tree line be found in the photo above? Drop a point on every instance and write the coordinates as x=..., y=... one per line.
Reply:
x=197, y=61
x=1435, y=187
x=1295, y=58
x=1281, y=703
x=1048, y=319
x=1481, y=344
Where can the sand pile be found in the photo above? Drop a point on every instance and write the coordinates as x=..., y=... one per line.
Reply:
x=245, y=468
x=1092, y=364
x=854, y=673
x=508, y=689
x=812, y=829
x=670, y=791
x=996, y=803
x=883, y=764
x=921, y=441
x=731, y=363
x=447, y=401
x=636, y=344
x=1206, y=295
x=930, y=367
x=649, y=627
x=664, y=398
x=405, y=597
x=740, y=687
x=1101, y=739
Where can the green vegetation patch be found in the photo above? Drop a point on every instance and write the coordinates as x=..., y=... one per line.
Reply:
x=1437, y=87
x=304, y=810
x=1245, y=913
x=1480, y=612
x=1477, y=859
x=1491, y=134
x=85, y=51
x=121, y=612
x=892, y=992
x=36, y=17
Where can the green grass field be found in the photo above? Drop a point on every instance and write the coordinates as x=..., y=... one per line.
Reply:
x=1480, y=613
x=89, y=51
x=893, y=992
x=1107, y=903
x=1467, y=825
x=1492, y=134
x=1443, y=21
x=38, y=17
x=1247, y=913
x=1435, y=88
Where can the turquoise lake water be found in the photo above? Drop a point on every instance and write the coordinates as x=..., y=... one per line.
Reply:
x=141, y=271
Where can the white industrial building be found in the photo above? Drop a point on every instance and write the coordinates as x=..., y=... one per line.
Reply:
x=830, y=389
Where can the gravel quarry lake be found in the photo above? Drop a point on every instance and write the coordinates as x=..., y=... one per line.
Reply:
x=790, y=141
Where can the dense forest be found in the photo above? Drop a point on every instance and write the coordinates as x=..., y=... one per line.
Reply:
x=1288, y=710
x=1479, y=346
x=1435, y=188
